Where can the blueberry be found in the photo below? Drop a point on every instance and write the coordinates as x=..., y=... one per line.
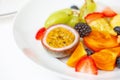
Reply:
x=117, y=30
x=89, y=51
x=118, y=62
x=74, y=7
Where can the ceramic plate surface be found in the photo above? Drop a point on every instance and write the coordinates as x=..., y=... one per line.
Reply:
x=32, y=17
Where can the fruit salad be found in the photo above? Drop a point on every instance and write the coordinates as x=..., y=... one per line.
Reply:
x=88, y=37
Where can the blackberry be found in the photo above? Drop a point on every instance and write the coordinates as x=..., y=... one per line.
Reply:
x=74, y=7
x=117, y=30
x=89, y=51
x=118, y=62
x=83, y=29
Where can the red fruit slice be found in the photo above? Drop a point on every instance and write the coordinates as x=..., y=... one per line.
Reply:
x=86, y=65
x=93, y=16
x=40, y=33
x=108, y=12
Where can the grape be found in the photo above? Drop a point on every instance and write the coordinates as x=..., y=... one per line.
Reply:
x=61, y=16
x=67, y=16
x=74, y=20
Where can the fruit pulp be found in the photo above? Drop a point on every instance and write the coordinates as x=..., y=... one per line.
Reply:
x=60, y=37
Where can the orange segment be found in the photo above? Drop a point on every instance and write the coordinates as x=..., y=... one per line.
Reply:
x=76, y=55
x=106, y=58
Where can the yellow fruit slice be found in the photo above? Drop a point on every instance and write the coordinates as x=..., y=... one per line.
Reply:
x=76, y=55
x=115, y=21
x=102, y=25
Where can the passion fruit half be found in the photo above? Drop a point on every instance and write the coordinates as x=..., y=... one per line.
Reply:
x=60, y=40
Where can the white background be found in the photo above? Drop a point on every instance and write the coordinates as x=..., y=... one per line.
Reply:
x=14, y=65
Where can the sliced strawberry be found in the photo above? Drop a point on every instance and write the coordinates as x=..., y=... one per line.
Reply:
x=86, y=65
x=40, y=33
x=108, y=12
x=93, y=16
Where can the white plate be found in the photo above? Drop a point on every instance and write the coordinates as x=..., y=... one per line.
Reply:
x=29, y=21
x=8, y=7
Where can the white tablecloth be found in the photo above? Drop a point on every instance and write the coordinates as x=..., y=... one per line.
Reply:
x=14, y=65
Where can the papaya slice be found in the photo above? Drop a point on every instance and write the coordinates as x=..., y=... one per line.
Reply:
x=106, y=58
x=97, y=40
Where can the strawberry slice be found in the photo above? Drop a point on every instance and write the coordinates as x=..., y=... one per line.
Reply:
x=93, y=16
x=40, y=33
x=86, y=65
x=108, y=12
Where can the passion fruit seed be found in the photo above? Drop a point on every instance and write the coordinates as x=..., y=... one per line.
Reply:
x=60, y=37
